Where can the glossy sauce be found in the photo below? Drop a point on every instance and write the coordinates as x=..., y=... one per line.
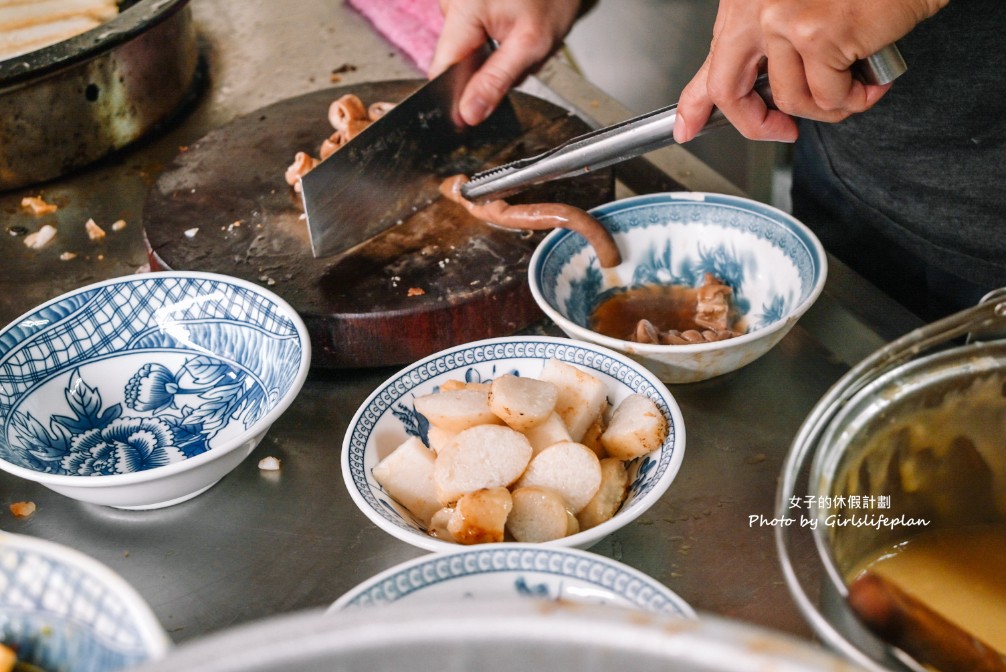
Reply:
x=668, y=307
x=961, y=574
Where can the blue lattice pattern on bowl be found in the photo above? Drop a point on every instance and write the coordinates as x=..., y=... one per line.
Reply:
x=388, y=417
x=145, y=372
x=775, y=266
x=63, y=610
x=513, y=570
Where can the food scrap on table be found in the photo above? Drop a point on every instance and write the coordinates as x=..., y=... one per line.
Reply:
x=37, y=206
x=538, y=217
x=415, y=291
x=40, y=238
x=67, y=256
x=269, y=463
x=337, y=73
x=22, y=509
x=94, y=232
x=118, y=225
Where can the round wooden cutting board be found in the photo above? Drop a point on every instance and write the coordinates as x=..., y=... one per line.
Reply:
x=438, y=279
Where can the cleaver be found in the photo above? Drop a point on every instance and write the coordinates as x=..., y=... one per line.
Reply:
x=392, y=168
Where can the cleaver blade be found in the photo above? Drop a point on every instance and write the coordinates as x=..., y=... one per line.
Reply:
x=388, y=171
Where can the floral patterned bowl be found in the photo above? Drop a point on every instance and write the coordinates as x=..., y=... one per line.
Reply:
x=388, y=417
x=63, y=610
x=143, y=391
x=774, y=264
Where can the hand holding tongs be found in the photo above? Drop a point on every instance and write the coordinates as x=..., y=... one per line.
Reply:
x=629, y=139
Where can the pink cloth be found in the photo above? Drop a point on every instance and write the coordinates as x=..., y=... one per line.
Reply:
x=411, y=25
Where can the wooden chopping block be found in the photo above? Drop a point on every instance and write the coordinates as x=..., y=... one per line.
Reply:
x=439, y=279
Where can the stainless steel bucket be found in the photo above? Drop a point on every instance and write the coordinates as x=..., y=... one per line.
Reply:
x=497, y=636
x=862, y=441
x=69, y=104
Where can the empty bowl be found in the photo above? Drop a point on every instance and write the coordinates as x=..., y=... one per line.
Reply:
x=143, y=391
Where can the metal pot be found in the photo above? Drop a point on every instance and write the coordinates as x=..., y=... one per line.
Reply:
x=69, y=104
x=853, y=445
x=524, y=634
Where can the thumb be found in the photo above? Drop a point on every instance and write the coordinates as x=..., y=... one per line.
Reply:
x=694, y=107
x=492, y=81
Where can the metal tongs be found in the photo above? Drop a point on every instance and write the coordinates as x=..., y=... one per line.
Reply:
x=631, y=138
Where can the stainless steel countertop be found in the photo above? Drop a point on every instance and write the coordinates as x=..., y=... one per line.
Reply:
x=254, y=545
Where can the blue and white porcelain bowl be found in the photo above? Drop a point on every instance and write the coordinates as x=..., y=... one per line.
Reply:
x=388, y=417
x=497, y=572
x=63, y=610
x=143, y=391
x=774, y=264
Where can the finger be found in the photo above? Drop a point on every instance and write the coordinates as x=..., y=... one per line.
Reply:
x=505, y=67
x=459, y=38
x=733, y=93
x=788, y=74
x=814, y=90
x=756, y=121
x=694, y=106
x=841, y=92
x=874, y=92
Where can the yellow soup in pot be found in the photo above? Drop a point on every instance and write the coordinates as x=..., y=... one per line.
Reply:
x=960, y=574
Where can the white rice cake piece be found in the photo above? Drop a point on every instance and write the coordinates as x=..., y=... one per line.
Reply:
x=571, y=469
x=582, y=397
x=438, y=438
x=480, y=517
x=522, y=403
x=484, y=456
x=609, y=496
x=539, y=514
x=438, y=525
x=592, y=438
x=407, y=475
x=553, y=430
x=455, y=384
x=456, y=410
x=637, y=427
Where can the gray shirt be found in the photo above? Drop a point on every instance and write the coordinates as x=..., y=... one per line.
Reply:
x=929, y=159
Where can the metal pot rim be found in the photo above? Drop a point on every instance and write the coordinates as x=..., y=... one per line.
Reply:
x=991, y=313
x=924, y=372
x=131, y=22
